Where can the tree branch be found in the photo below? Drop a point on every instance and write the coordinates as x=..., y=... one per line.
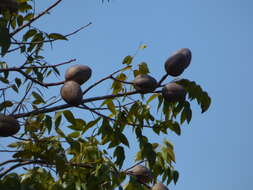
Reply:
x=125, y=82
x=64, y=106
x=103, y=79
x=23, y=99
x=19, y=69
x=35, y=18
x=36, y=67
x=162, y=79
x=52, y=40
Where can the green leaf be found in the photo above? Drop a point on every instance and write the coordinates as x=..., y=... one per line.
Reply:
x=69, y=116
x=196, y=92
x=60, y=132
x=4, y=80
x=15, y=88
x=29, y=34
x=160, y=101
x=175, y=176
x=48, y=123
x=123, y=139
x=38, y=97
x=90, y=124
x=18, y=81
x=5, y=104
x=143, y=68
x=111, y=107
x=57, y=36
x=186, y=113
x=20, y=20
x=29, y=16
x=57, y=118
x=75, y=134
x=127, y=60
x=168, y=152
x=5, y=40
x=119, y=153
x=152, y=97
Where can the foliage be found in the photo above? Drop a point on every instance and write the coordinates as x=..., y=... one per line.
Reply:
x=69, y=152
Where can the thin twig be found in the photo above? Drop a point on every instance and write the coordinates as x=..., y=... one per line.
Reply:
x=138, y=163
x=9, y=151
x=41, y=162
x=52, y=40
x=35, y=18
x=36, y=67
x=23, y=99
x=10, y=86
x=162, y=79
x=10, y=161
x=103, y=79
x=125, y=82
x=39, y=82
x=111, y=119
x=14, y=49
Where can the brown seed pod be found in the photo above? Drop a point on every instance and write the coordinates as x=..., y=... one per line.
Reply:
x=8, y=125
x=71, y=92
x=159, y=186
x=78, y=73
x=173, y=92
x=145, y=83
x=178, y=62
x=142, y=173
x=11, y=5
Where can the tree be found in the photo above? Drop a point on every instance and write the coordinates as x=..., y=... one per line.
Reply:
x=85, y=154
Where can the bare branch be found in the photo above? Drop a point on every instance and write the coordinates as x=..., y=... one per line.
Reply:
x=10, y=161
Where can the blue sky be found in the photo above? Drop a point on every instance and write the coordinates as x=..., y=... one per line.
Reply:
x=215, y=150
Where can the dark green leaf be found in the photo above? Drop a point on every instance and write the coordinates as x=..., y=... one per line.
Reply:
x=75, y=134
x=127, y=60
x=20, y=20
x=143, y=68
x=69, y=116
x=57, y=36
x=29, y=34
x=5, y=40
x=38, y=97
x=175, y=176
x=18, y=81
x=119, y=153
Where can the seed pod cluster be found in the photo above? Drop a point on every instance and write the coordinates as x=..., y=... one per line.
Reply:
x=74, y=77
x=178, y=62
x=173, y=92
x=8, y=125
x=142, y=173
x=145, y=83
